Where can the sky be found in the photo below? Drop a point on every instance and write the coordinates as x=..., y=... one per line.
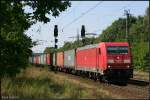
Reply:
x=95, y=15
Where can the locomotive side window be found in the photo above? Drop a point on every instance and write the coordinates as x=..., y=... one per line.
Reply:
x=117, y=49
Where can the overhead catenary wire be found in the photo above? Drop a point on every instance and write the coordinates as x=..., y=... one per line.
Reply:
x=83, y=14
x=67, y=14
x=122, y=8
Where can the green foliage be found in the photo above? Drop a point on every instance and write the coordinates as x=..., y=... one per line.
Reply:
x=15, y=46
x=140, y=52
x=68, y=45
x=137, y=31
x=117, y=31
x=49, y=50
x=15, y=50
x=53, y=7
x=89, y=41
x=40, y=9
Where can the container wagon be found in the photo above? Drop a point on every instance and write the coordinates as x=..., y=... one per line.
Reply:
x=54, y=59
x=69, y=60
x=60, y=60
x=37, y=59
x=48, y=59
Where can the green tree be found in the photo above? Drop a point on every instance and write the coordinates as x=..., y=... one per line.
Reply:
x=146, y=23
x=39, y=8
x=67, y=45
x=137, y=30
x=117, y=31
x=49, y=50
x=140, y=52
x=15, y=46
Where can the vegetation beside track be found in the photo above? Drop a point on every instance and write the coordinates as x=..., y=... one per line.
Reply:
x=140, y=75
x=38, y=83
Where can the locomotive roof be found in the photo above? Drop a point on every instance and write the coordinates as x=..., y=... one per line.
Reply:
x=116, y=43
x=88, y=46
x=106, y=43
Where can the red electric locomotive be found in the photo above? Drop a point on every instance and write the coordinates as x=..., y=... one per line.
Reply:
x=108, y=60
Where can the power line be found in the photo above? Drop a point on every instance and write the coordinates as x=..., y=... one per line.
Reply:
x=97, y=30
x=68, y=13
x=116, y=11
x=83, y=14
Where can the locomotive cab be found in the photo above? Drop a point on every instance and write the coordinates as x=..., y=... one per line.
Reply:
x=118, y=57
x=118, y=60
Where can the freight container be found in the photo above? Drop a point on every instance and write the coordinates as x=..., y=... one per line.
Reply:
x=54, y=59
x=48, y=59
x=37, y=59
x=41, y=59
x=42, y=56
x=44, y=59
x=34, y=59
x=60, y=59
x=69, y=58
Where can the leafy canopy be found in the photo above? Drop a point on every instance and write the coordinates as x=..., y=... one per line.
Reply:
x=15, y=46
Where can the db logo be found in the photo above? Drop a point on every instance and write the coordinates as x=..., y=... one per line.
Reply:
x=118, y=57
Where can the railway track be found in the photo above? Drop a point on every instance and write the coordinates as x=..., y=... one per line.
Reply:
x=140, y=79
x=138, y=82
x=135, y=89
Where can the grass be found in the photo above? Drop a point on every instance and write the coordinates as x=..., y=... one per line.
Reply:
x=36, y=83
x=141, y=75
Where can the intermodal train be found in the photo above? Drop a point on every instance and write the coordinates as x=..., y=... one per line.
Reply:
x=105, y=61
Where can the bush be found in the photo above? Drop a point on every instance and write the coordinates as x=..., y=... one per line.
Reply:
x=140, y=53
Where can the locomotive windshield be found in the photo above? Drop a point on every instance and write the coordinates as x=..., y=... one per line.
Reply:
x=117, y=49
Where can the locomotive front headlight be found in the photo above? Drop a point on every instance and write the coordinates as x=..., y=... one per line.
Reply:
x=110, y=61
x=126, y=61
x=109, y=66
x=128, y=66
